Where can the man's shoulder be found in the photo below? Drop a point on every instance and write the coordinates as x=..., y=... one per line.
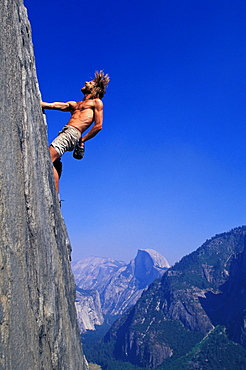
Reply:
x=98, y=103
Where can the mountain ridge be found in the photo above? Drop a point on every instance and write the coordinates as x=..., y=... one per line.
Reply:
x=118, y=284
x=182, y=303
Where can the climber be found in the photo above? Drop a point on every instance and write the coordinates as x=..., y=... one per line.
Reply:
x=83, y=114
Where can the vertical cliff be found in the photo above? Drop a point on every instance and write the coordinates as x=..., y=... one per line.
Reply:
x=38, y=326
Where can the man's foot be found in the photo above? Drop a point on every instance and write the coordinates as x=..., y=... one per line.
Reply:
x=60, y=200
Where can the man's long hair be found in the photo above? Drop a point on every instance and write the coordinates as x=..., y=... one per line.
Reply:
x=101, y=80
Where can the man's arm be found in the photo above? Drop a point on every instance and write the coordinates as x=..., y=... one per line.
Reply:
x=98, y=119
x=65, y=107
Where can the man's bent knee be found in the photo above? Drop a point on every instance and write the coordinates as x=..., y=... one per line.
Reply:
x=54, y=155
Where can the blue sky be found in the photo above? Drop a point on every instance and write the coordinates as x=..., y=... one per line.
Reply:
x=168, y=169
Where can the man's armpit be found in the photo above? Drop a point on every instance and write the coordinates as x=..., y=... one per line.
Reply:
x=72, y=104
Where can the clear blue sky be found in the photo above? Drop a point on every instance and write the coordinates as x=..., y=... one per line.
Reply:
x=168, y=169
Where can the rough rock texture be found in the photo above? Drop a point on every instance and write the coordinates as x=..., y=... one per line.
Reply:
x=89, y=309
x=38, y=326
x=205, y=289
x=118, y=284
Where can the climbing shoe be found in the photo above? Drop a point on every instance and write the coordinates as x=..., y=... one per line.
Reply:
x=79, y=152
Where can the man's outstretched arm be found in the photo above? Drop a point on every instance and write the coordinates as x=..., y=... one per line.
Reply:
x=65, y=107
x=98, y=119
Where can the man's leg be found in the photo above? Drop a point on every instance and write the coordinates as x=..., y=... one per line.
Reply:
x=54, y=156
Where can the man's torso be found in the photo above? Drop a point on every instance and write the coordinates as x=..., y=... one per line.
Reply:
x=82, y=114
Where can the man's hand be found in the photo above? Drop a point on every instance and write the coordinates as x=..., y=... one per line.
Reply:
x=81, y=143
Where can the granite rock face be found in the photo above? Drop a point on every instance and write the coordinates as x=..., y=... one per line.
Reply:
x=89, y=309
x=127, y=285
x=38, y=324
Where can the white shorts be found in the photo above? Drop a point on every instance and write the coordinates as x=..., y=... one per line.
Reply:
x=66, y=140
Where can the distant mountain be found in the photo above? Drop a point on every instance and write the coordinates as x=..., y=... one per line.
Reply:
x=93, y=273
x=119, y=285
x=205, y=289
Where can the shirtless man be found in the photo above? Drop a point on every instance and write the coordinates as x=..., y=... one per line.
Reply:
x=83, y=114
